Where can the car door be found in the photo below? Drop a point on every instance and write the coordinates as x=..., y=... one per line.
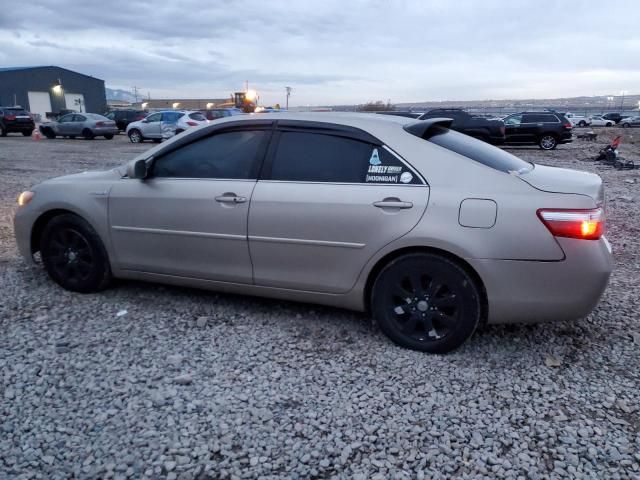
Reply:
x=531, y=127
x=326, y=202
x=189, y=217
x=150, y=126
x=512, y=129
x=63, y=125
x=77, y=124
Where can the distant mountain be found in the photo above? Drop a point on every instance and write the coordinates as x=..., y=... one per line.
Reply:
x=121, y=95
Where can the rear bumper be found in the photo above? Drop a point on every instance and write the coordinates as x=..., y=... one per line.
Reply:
x=530, y=292
x=105, y=131
x=20, y=127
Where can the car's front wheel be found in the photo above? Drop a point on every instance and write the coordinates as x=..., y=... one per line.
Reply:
x=3, y=131
x=47, y=132
x=626, y=125
x=609, y=124
x=426, y=302
x=135, y=136
x=73, y=254
x=548, y=142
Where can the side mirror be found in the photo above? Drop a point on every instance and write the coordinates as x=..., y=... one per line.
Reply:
x=138, y=169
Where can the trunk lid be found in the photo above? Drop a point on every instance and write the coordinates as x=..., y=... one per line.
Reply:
x=565, y=180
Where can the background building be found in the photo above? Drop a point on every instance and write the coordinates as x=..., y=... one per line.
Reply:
x=182, y=103
x=45, y=91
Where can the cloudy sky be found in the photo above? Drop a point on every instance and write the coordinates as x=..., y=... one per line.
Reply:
x=335, y=51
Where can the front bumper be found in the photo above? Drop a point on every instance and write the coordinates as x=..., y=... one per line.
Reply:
x=23, y=222
x=530, y=291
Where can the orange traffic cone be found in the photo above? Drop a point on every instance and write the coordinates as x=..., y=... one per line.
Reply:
x=36, y=135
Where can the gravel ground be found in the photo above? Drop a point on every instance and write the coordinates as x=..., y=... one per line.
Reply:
x=147, y=381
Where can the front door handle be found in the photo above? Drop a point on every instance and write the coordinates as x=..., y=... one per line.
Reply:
x=392, y=203
x=230, y=198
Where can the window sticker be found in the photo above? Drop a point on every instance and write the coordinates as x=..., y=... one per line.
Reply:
x=375, y=158
x=406, y=177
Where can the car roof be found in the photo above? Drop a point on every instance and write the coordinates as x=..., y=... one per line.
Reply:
x=372, y=123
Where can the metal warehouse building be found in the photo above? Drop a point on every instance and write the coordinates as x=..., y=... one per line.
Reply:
x=48, y=90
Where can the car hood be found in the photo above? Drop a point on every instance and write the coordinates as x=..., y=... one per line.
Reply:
x=102, y=175
x=564, y=180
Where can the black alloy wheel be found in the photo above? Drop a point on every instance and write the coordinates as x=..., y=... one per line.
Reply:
x=74, y=255
x=426, y=302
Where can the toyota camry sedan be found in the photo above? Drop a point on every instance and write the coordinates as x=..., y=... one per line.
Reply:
x=429, y=230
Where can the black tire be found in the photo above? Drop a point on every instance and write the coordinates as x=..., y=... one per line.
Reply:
x=27, y=133
x=73, y=254
x=426, y=302
x=608, y=124
x=88, y=134
x=547, y=141
x=135, y=136
x=582, y=123
x=179, y=131
x=109, y=136
x=157, y=140
x=47, y=132
x=3, y=131
x=625, y=125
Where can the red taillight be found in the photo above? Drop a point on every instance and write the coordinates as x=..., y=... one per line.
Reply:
x=192, y=124
x=10, y=117
x=99, y=124
x=568, y=126
x=583, y=224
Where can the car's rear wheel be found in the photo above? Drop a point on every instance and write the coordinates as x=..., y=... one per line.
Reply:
x=73, y=254
x=27, y=133
x=582, y=123
x=426, y=302
x=88, y=134
x=3, y=131
x=548, y=142
x=625, y=125
x=135, y=136
x=108, y=136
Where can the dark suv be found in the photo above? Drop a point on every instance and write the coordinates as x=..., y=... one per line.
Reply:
x=15, y=119
x=125, y=117
x=489, y=130
x=546, y=129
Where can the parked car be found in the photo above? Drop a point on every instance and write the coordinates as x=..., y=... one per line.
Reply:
x=545, y=129
x=125, y=117
x=491, y=131
x=216, y=113
x=166, y=124
x=616, y=117
x=430, y=230
x=630, y=122
x=578, y=120
x=600, y=121
x=87, y=125
x=15, y=120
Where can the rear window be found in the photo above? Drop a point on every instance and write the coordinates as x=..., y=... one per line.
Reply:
x=15, y=111
x=480, y=151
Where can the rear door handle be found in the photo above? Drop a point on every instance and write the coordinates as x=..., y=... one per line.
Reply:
x=395, y=203
x=230, y=198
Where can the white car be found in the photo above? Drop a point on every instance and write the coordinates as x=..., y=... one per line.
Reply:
x=578, y=120
x=600, y=121
x=163, y=125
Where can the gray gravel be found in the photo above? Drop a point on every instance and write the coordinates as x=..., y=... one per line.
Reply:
x=147, y=381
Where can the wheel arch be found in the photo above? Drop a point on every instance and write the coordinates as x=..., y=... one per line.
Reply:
x=389, y=257
x=46, y=217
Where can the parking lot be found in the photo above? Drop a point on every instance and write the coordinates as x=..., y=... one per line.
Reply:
x=150, y=381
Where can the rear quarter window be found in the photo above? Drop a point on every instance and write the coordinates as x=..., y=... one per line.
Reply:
x=479, y=151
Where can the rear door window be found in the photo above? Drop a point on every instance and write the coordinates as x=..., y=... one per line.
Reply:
x=316, y=157
x=156, y=117
x=197, y=116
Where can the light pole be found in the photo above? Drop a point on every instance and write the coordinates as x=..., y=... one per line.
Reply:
x=622, y=93
x=288, y=89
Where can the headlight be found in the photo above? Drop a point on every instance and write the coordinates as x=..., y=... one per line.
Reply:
x=24, y=198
